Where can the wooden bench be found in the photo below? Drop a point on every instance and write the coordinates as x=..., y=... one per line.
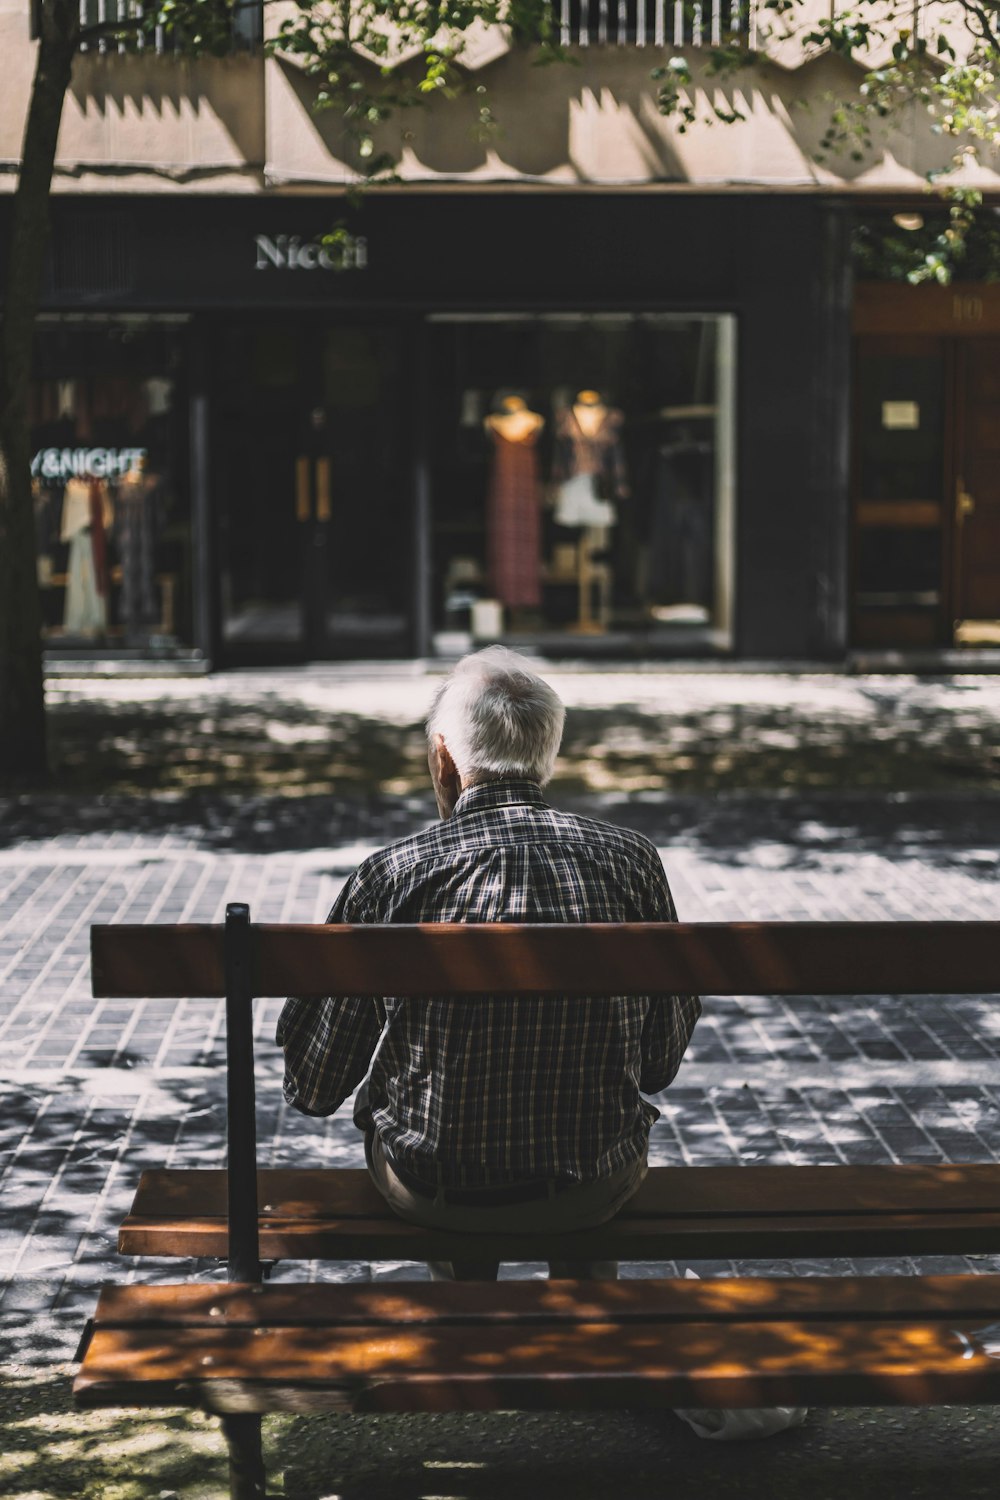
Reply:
x=248, y=1347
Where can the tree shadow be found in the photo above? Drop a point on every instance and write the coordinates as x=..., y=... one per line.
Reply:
x=880, y=770
x=275, y=745
x=802, y=833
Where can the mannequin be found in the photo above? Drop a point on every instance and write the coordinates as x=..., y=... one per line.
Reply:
x=515, y=421
x=513, y=524
x=138, y=507
x=86, y=520
x=589, y=471
x=590, y=412
x=589, y=465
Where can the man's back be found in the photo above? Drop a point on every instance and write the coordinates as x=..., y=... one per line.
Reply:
x=504, y=1089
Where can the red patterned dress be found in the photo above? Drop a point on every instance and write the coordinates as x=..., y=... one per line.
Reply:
x=513, y=521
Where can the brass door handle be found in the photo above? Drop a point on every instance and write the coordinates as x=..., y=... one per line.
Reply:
x=324, y=507
x=302, y=506
x=964, y=503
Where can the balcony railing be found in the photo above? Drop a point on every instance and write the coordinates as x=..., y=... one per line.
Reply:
x=582, y=23
x=246, y=27
x=655, y=23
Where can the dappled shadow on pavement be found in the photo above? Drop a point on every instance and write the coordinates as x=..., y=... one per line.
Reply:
x=787, y=831
x=776, y=746
x=50, y=1450
x=219, y=822
x=793, y=832
x=270, y=745
x=277, y=743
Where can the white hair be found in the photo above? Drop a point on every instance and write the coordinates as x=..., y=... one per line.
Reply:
x=497, y=717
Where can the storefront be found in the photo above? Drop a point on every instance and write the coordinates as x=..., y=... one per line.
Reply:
x=583, y=423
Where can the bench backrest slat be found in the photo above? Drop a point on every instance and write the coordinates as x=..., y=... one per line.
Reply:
x=741, y=958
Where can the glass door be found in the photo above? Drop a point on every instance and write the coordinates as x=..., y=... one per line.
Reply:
x=363, y=528
x=314, y=496
x=261, y=387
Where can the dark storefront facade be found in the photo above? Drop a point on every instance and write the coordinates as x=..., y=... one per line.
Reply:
x=588, y=423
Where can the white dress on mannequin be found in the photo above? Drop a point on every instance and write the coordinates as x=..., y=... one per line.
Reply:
x=86, y=610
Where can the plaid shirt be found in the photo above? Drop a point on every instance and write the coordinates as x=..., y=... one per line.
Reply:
x=506, y=1089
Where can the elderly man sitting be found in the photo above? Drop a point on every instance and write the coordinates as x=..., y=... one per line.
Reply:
x=520, y=1114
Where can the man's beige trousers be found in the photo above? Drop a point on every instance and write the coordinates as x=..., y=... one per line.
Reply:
x=582, y=1207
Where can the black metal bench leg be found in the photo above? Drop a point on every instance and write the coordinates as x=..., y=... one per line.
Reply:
x=246, y=1459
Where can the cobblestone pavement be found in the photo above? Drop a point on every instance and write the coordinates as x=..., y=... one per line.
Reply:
x=93, y=1091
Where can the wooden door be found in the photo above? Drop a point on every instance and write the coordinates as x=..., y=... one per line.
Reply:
x=976, y=508
x=902, y=467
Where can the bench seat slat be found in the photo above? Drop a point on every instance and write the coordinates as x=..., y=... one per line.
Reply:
x=745, y=1299
x=740, y=958
x=708, y=1239
x=597, y=1364
x=674, y=1192
x=694, y=1212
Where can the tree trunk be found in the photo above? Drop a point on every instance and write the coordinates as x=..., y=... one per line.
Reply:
x=22, y=700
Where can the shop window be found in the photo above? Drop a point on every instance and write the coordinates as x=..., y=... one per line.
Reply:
x=582, y=478
x=109, y=466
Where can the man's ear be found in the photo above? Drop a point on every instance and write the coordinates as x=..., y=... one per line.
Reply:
x=444, y=774
x=445, y=765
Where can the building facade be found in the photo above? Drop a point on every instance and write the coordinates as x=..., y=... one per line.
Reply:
x=592, y=387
